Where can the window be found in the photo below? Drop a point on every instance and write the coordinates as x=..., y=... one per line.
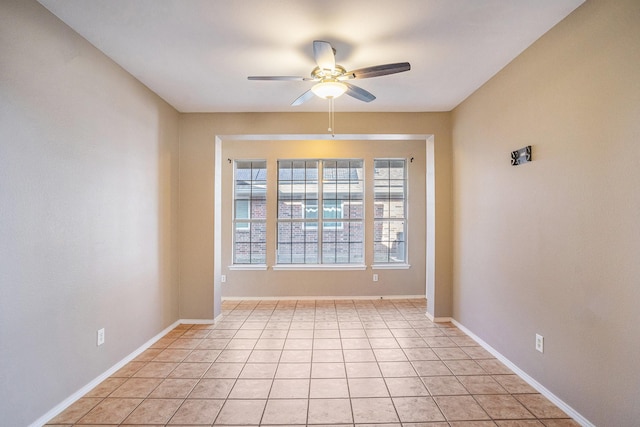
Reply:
x=390, y=207
x=309, y=235
x=250, y=212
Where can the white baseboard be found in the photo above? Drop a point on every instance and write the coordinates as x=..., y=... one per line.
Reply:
x=526, y=377
x=93, y=383
x=437, y=319
x=322, y=298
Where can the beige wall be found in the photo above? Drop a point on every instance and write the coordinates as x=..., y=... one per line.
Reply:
x=196, y=218
x=307, y=283
x=88, y=212
x=553, y=246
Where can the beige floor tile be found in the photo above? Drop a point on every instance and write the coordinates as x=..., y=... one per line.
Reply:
x=328, y=388
x=560, y=423
x=519, y=423
x=272, y=334
x=293, y=370
x=328, y=356
x=264, y=356
x=481, y=384
x=328, y=370
x=248, y=334
x=428, y=368
x=197, y=411
x=444, y=386
x=172, y=355
x=326, y=333
x=156, y=370
x=514, y=384
x=472, y=424
x=404, y=333
x=233, y=356
x=540, y=406
x=136, y=387
x=355, y=343
x=460, y=408
x=243, y=412
x=190, y=370
x=285, y=412
x=224, y=370
x=363, y=370
x=110, y=411
x=259, y=370
x=154, y=411
x=397, y=369
x=298, y=344
x=296, y=356
x=213, y=344
x=363, y=355
x=203, y=356
x=212, y=389
x=417, y=409
x=250, y=389
x=269, y=344
x=185, y=343
x=406, y=387
x=383, y=343
x=300, y=334
x=352, y=334
x=76, y=411
x=174, y=389
x=494, y=366
x=373, y=410
x=318, y=363
x=290, y=389
x=327, y=344
x=368, y=387
x=477, y=352
x=465, y=367
x=330, y=411
x=242, y=343
x=450, y=353
x=503, y=407
x=106, y=387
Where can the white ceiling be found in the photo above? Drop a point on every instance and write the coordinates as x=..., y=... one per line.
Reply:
x=197, y=54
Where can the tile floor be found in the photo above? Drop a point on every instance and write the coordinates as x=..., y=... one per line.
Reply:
x=297, y=363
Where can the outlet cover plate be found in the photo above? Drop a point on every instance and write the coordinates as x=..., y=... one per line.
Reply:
x=540, y=343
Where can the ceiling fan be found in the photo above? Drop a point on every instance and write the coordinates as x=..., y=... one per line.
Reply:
x=331, y=78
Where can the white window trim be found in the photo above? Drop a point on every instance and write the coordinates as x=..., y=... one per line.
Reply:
x=319, y=267
x=391, y=266
x=238, y=267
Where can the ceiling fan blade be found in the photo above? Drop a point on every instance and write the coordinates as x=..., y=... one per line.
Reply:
x=293, y=78
x=359, y=93
x=303, y=98
x=324, y=55
x=380, y=70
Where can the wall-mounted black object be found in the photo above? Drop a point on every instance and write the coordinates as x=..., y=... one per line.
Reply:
x=521, y=156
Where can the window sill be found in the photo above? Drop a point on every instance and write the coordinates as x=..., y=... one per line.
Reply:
x=248, y=267
x=391, y=266
x=320, y=267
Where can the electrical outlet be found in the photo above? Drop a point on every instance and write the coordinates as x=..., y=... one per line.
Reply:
x=375, y=277
x=100, y=336
x=540, y=343
x=223, y=278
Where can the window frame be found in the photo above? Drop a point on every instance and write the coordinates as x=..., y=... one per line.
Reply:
x=404, y=263
x=318, y=223
x=249, y=220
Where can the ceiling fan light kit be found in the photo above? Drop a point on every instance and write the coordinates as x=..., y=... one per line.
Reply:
x=329, y=89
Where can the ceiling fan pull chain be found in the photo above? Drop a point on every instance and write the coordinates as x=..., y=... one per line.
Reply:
x=331, y=118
